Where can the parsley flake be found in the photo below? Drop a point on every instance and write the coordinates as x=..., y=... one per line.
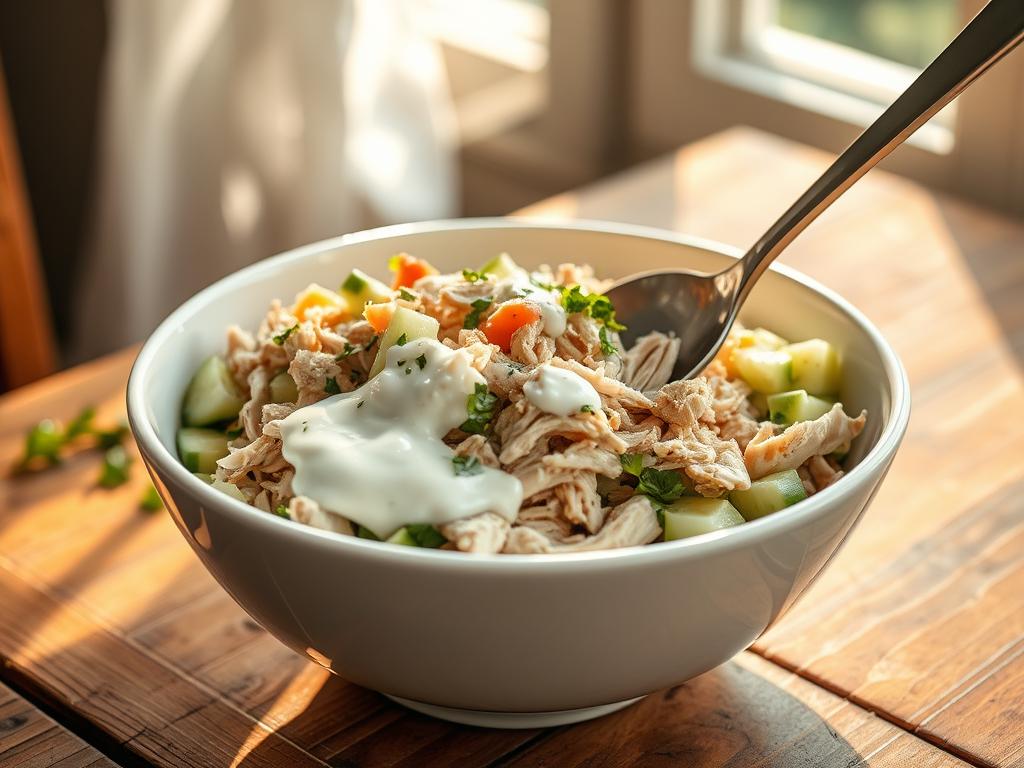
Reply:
x=407, y=295
x=607, y=348
x=480, y=407
x=632, y=463
x=282, y=511
x=115, y=467
x=466, y=465
x=472, y=319
x=360, y=404
x=542, y=285
x=586, y=409
x=472, y=276
x=661, y=486
x=402, y=340
x=594, y=305
x=348, y=351
x=421, y=361
x=280, y=338
x=331, y=386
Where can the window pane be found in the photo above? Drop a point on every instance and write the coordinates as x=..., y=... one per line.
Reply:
x=910, y=32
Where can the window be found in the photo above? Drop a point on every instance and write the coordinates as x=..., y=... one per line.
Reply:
x=819, y=71
x=847, y=59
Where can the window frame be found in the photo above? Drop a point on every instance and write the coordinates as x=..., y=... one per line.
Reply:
x=669, y=55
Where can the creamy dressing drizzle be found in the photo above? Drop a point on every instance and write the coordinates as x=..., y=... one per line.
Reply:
x=560, y=392
x=376, y=455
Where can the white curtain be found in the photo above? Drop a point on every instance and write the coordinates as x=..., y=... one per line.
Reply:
x=234, y=129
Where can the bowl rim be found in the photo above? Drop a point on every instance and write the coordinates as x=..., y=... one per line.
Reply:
x=870, y=469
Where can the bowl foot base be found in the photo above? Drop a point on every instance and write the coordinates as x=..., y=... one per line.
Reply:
x=485, y=719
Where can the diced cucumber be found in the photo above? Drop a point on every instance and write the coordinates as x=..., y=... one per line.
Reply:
x=816, y=367
x=200, y=448
x=767, y=371
x=283, y=389
x=765, y=339
x=211, y=395
x=694, y=516
x=769, y=494
x=418, y=535
x=502, y=267
x=228, y=489
x=403, y=537
x=405, y=322
x=359, y=289
x=790, y=407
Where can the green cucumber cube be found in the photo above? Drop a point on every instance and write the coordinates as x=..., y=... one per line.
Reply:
x=693, y=516
x=502, y=267
x=769, y=494
x=211, y=395
x=790, y=407
x=283, y=389
x=403, y=537
x=765, y=370
x=765, y=339
x=228, y=490
x=408, y=323
x=201, y=448
x=816, y=367
x=359, y=289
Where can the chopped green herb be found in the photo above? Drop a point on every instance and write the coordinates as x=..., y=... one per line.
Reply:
x=421, y=361
x=150, y=500
x=331, y=386
x=481, y=407
x=473, y=317
x=43, y=441
x=661, y=486
x=542, y=285
x=632, y=463
x=280, y=338
x=426, y=535
x=305, y=426
x=347, y=351
x=402, y=340
x=108, y=438
x=466, y=465
x=595, y=305
x=360, y=404
x=282, y=511
x=371, y=342
x=365, y=533
x=472, y=276
x=81, y=424
x=607, y=348
x=404, y=294
x=586, y=409
x=353, y=283
x=115, y=467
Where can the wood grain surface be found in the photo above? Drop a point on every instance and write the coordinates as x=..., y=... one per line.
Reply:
x=907, y=652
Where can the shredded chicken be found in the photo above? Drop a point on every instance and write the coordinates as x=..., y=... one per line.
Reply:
x=767, y=452
x=576, y=496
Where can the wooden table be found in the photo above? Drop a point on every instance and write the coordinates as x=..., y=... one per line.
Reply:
x=909, y=651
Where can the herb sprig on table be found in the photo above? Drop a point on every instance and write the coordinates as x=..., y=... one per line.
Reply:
x=49, y=442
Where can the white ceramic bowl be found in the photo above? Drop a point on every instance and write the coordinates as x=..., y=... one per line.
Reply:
x=508, y=640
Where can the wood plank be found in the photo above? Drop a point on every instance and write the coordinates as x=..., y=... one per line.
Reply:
x=31, y=739
x=748, y=712
x=924, y=602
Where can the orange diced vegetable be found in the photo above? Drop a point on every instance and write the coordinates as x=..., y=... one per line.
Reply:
x=379, y=315
x=408, y=269
x=506, y=320
x=333, y=308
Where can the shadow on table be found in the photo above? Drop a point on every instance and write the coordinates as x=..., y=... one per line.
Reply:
x=736, y=715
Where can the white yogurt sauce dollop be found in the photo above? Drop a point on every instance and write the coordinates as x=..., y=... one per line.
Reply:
x=560, y=392
x=376, y=455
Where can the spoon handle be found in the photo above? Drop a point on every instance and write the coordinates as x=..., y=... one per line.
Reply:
x=993, y=33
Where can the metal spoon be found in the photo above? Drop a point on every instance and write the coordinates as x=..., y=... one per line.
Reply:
x=701, y=308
